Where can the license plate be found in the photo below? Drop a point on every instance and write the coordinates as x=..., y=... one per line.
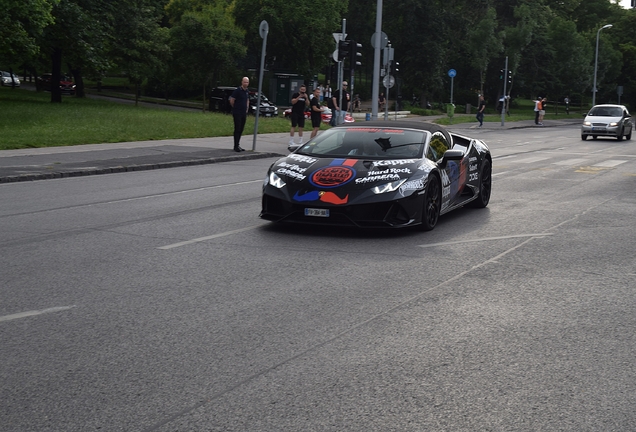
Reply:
x=600, y=129
x=268, y=115
x=317, y=212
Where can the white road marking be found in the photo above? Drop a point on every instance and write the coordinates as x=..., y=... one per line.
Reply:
x=530, y=160
x=35, y=312
x=609, y=163
x=200, y=239
x=499, y=173
x=570, y=162
x=178, y=192
x=485, y=239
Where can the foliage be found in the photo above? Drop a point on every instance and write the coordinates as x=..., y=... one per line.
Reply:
x=29, y=121
x=205, y=43
x=186, y=45
x=299, y=38
x=21, y=24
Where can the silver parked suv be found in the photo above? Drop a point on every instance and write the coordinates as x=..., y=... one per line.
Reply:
x=607, y=120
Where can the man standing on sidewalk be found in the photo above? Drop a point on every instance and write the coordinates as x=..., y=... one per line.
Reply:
x=480, y=111
x=240, y=102
x=299, y=101
x=340, y=111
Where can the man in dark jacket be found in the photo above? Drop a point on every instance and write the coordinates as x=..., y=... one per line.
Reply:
x=240, y=102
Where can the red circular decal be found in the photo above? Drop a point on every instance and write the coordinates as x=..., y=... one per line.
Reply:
x=332, y=176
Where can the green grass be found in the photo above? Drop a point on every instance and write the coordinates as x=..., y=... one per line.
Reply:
x=29, y=119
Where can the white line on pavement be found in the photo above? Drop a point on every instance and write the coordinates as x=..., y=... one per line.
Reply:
x=35, y=312
x=200, y=239
x=485, y=239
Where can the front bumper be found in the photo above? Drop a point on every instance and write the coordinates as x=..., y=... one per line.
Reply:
x=601, y=129
x=385, y=214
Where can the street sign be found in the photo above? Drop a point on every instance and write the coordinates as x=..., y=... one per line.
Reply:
x=452, y=73
x=263, y=29
x=384, y=40
x=339, y=36
x=388, y=81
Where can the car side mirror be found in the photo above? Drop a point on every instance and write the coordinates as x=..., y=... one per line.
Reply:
x=450, y=155
x=293, y=147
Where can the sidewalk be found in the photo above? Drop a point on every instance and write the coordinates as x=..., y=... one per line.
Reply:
x=83, y=160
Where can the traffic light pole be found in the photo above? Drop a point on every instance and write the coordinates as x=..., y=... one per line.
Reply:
x=503, y=106
x=340, y=77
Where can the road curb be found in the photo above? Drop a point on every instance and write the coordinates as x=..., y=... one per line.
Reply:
x=134, y=167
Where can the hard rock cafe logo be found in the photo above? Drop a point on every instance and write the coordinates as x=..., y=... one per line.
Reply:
x=334, y=175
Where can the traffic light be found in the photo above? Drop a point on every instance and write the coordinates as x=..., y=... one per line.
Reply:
x=354, y=54
x=501, y=74
x=509, y=77
x=343, y=49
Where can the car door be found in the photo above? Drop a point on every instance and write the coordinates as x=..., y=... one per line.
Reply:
x=438, y=145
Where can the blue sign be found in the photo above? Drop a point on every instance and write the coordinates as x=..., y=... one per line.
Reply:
x=452, y=73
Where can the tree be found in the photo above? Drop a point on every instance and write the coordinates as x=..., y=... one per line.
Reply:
x=21, y=24
x=140, y=44
x=205, y=44
x=299, y=34
x=484, y=43
x=572, y=72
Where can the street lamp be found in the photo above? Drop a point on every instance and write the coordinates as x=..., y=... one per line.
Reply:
x=598, y=33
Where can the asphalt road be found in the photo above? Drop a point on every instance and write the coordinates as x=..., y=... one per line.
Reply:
x=158, y=301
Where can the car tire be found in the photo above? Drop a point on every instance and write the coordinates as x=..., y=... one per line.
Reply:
x=583, y=137
x=485, y=186
x=619, y=137
x=629, y=135
x=432, y=203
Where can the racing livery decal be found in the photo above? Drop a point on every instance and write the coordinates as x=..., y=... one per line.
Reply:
x=324, y=196
x=338, y=173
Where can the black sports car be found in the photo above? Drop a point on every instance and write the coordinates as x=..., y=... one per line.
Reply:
x=378, y=174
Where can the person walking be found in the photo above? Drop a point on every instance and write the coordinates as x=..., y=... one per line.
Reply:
x=381, y=102
x=316, y=113
x=338, y=114
x=299, y=101
x=537, y=109
x=480, y=111
x=542, y=106
x=567, y=104
x=240, y=103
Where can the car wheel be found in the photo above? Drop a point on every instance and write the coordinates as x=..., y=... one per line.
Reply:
x=432, y=203
x=583, y=137
x=629, y=135
x=619, y=137
x=485, y=186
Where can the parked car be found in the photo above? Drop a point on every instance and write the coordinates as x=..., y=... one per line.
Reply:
x=377, y=175
x=43, y=82
x=9, y=79
x=220, y=95
x=326, y=115
x=607, y=120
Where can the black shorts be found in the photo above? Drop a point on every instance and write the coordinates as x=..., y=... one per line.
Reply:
x=298, y=119
x=316, y=120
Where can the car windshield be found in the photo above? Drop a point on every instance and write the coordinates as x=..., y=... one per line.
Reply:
x=254, y=98
x=606, y=112
x=367, y=143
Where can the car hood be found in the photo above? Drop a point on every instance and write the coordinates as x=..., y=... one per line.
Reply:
x=602, y=119
x=343, y=181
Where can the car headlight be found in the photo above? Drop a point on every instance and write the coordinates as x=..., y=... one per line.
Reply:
x=613, y=124
x=388, y=187
x=276, y=181
x=587, y=123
